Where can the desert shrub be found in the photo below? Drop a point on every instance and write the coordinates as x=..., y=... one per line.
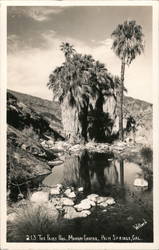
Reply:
x=147, y=157
x=29, y=131
x=147, y=154
x=33, y=219
x=18, y=174
x=29, y=220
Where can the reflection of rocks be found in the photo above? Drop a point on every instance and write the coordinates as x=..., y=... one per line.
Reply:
x=140, y=182
x=137, y=188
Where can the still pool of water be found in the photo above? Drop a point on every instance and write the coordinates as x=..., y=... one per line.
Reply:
x=106, y=175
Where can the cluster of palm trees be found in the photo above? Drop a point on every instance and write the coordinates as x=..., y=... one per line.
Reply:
x=80, y=78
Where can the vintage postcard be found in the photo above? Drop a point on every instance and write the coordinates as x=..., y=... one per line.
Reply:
x=79, y=125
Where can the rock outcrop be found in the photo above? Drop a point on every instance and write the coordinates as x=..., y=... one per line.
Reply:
x=27, y=160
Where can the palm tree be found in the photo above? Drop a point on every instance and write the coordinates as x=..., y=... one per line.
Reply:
x=68, y=50
x=75, y=84
x=128, y=43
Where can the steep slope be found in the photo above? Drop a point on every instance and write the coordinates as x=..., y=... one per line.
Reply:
x=27, y=160
x=48, y=109
x=140, y=110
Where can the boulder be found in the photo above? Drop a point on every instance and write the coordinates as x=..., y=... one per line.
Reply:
x=70, y=212
x=84, y=213
x=92, y=203
x=60, y=186
x=80, y=189
x=83, y=205
x=56, y=201
x=50, y=143
x=72, y=195
x=55, y=163
x=54, y=191
x=103, y=204
x=101, y=199
x=110, y=201
x=67, y=202
x=140, y=182
x=59, y=207
x=39, y=197
x=43, y=144
x=69, y=193
x=92, y=197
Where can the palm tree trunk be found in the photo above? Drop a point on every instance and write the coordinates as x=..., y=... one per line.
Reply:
x=121, y=132
x=83, y=119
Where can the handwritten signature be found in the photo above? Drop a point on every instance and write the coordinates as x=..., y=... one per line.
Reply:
x=140, y=225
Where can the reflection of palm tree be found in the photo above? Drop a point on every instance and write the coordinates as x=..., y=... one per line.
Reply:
x=122, y=172
x=84, y=171
x=111, y=173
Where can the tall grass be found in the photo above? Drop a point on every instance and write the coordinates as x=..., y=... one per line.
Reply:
x=33, y=219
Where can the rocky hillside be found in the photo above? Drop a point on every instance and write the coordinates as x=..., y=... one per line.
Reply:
x=27, y=160
x=141, y=111
x=49, y=110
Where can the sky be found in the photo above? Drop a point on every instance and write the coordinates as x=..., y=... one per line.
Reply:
x=34, y=35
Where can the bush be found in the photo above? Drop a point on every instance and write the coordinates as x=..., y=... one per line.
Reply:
x=31, y=219
x=147, y=155
x=29, y=131
x=36, y=219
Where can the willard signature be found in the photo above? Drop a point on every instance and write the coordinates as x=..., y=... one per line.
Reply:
x=140, y=225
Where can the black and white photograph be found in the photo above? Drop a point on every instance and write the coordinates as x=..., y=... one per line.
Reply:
x=79, y=118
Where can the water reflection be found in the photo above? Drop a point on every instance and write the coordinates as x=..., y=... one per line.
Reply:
x=122, y=172
x=99, y=173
